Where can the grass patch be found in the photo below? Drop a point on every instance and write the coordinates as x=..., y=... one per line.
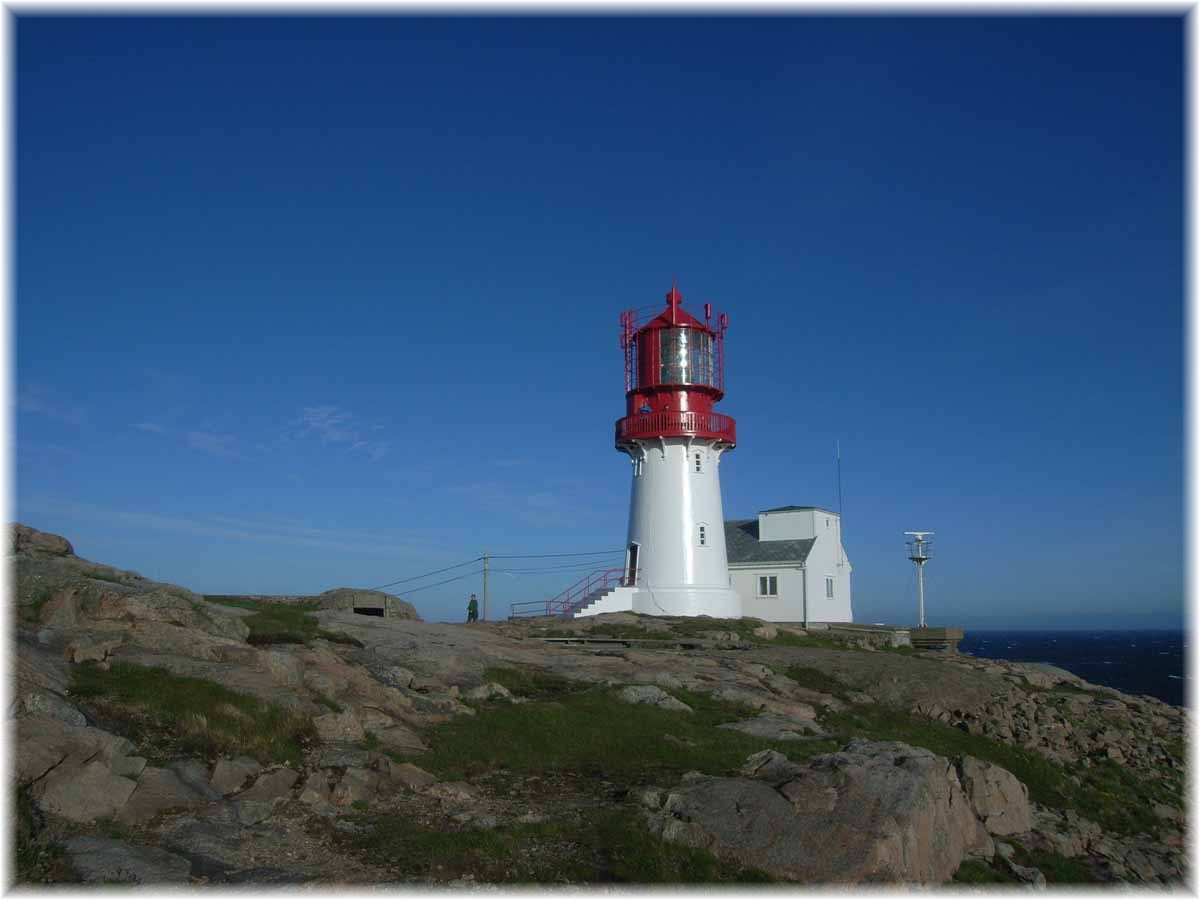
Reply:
x=1057, y=869
x=1112, y=796
x=815, y=680
x=168, y=715
x=110, y=577
x=975, y=871
x=282, y=623
x=594, y=733
x=632, y=855
x=608, y=846
x=526, y=682
x=32, y=611
x=39, y=859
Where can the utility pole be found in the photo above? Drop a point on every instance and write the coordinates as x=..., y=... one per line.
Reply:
x=485, y=564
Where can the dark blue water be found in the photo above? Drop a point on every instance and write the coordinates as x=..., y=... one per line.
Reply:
x=1136, y=662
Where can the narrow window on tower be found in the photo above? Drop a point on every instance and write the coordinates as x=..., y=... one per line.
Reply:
x=697, y=462
x=829, y=587
x=702, y=535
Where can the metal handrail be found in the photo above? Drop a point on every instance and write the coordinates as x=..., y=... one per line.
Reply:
x=569, y=600
x=689, y=422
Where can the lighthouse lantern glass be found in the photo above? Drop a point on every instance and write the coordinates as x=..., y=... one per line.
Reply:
x=685, y=356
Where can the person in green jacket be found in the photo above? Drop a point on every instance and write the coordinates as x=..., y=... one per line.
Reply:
x=473, y=610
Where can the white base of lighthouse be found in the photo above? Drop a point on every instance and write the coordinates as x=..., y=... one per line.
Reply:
x=676, y=540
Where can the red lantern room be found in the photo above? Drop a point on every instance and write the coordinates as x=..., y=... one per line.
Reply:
x=674, y=373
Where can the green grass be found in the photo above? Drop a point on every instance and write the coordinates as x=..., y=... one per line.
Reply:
x=281, y=623
x=32, y=611
x=975, y=871
x=608, y=846
x=815, y=680
x=1113, y=796
x=698, y=627
x=1057, y=869
x=39, y=859
x=102, y=575
x=595, y=734
x=168, y=715
x=527, y=682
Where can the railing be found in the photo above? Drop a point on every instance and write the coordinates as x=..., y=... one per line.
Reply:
x=673, y=422
x=576, y=595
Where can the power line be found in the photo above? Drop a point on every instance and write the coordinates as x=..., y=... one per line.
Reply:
x=558, y=555
x=534, y=571
x=427, y=574
x=447, y=581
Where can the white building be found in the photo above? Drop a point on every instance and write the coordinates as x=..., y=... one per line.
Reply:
x=788, y=565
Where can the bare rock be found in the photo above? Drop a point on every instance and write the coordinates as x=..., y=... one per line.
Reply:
x=648, y=694
x=285, y=669
x=355, y=786
x=28, y=541
x=411, y=777
x=45, y=742
x=339, y=755
x=195, y=775
x=83, y=793
x=159, y=790
x=44, y=703
x=876, y=811
x=316, y=790
x=106, y=861
x=766, y=631
x=1000, y=801
x=775, y=728
x=341, y=726
x=274, y=784
x=91, y=648
x=489, y=691
x=230, y=775
x=400, y=739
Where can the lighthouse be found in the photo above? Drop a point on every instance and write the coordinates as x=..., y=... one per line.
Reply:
x=675, y=562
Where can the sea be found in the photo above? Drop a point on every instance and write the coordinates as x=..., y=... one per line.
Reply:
x=1135, y=662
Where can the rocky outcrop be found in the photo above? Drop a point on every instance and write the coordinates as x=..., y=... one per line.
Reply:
x=650, y=695
x=28, y=541
x=108, y=861
x=873, y=811
x=869, y=813
x=1000, y=801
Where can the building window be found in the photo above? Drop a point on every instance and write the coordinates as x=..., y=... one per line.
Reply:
x=826, y=523
x=768, y=585
x=829, y=587
x=702, y=535
x=696, y=462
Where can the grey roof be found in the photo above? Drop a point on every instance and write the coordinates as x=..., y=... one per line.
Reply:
x=743, y=546
x=798, y=508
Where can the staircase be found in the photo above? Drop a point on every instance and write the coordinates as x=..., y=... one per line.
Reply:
x=604, y=590
x=617, y=598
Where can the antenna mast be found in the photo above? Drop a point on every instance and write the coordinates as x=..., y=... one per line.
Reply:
x=841, y=559
x=920, y=551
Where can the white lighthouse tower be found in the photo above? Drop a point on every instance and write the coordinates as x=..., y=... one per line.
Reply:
x=675, y=562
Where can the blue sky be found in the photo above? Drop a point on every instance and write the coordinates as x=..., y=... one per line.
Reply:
x=303, y=303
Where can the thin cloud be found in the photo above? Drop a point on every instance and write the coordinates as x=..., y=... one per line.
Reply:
x=258, y=533
x=34, y=400
x=331, y=425
x=213, y=444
